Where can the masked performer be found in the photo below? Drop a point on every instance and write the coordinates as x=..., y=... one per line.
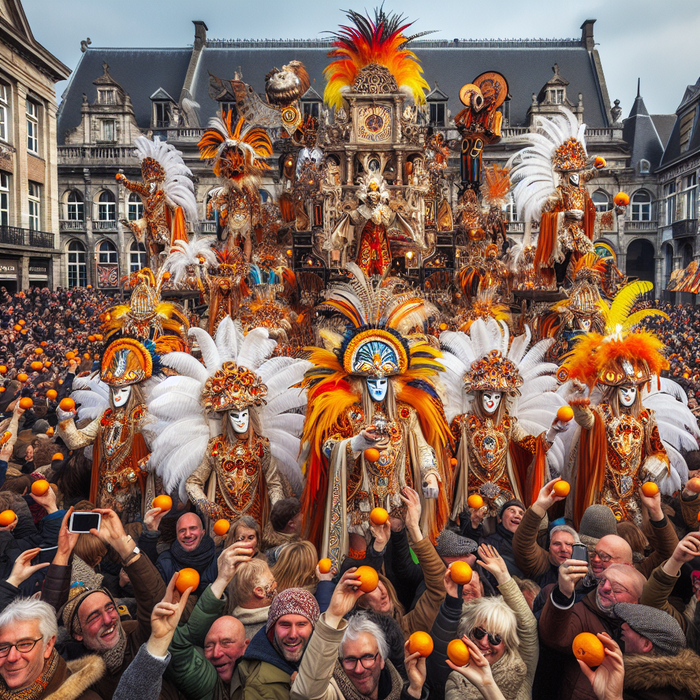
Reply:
x=227, y=435
x=371, y=389
x=496, y=397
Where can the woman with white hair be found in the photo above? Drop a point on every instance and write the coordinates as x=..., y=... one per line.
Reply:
x=504, y=630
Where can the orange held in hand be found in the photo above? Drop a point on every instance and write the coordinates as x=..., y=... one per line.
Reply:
x=22, y=377
x=188, y=578
x=163, y=502
x=475, y=501
x=40, y=487
x=371, y=454
x=70, y=355
x=378, y=516
x=7, y=517
x=369, y=579
x=51, y=394
x=37, y=366
x=3, y=369
x=621, y=199
x=589, y=649
x=460, y=572
x=565, y=414
x=26, y=403
x=57, y=456
x=650, y=489
x=324, y=566
x=562, y=488
x=221, y=527
x=420, y=642
x=5, y=437
x=458, y=652
x=67, y=404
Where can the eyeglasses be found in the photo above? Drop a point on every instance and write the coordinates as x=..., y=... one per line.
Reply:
x=367, y=661
x=479, y=633
x=605, y=558
x=23, y=647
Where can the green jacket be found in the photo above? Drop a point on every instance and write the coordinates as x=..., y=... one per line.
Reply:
x=259, y=680
x=195, y=677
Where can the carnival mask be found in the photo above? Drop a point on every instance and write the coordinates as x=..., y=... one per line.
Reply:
x=627, y=395
x=120, y=395
x=490, y=401
x=377, y=388
x=574, y=179
x=240, y=421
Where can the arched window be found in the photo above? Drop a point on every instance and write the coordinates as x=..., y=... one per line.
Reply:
x=107, y=253
x=106, y=207
x=601, y=200
x=77, y=266
x=75, y=209
x=135, y=207
x=641, y=206
x=137, y=257
x=510, y=212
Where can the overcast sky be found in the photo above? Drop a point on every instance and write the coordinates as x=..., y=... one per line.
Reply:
x=655, y=40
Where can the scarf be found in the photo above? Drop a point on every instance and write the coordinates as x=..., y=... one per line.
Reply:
x=390, y=683
x=508, y=672
x=114, y=658
x=37, y=688
x=199, y=559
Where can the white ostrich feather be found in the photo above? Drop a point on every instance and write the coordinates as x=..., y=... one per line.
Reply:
x=188, y=253
x=92, y=395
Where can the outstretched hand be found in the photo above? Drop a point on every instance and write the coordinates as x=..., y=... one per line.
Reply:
x=344, y=597
x=23, y=568
x=165, y=618
x=66, y=541
x=608, y=679
x=413, y=510
x=415, y=670
x=492, y=561
x=546, y=498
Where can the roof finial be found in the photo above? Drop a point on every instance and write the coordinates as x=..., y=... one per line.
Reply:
x=639, y=85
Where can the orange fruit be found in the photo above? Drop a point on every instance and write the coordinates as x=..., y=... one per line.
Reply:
x=221, y=527
x=600, y=162
x=650, y=489
x=5, y=437
x=166, y=275
x=70, y=355
x=25, y=403
x=17, y=327
x=38, y=351
x=589, y=649
x=67, y=404
x=369, y=579
x=50, y=431
x=460, y=572
x=40, y=487
x=22, y=377
x=57, y=455
x=3, y=369
x=43, y=343
x=621, y=199
x=21, y=322
x=565, y=414
x=693, y=485
x=51, y=394
x=47, y=363
x=475, y=501
x=324, y=566
x=420, y=642
x=163, y=502
x=458, y=652
x=91, y=338
x=2, y=388
x=187, y=578
x=99, y=336
x=37, y=366
x=7, y=517
x=378, y=516
x=371, y=454
x=562, y=488
x=453, y=461
x=70, y=330
x=86, y=355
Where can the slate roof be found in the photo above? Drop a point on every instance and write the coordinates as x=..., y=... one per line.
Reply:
x=672, y=154
x=640, y=133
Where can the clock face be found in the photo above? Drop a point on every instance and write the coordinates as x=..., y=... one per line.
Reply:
x=374, y=123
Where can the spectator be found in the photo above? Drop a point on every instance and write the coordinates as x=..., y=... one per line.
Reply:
x=245, y=529
x=296, y=566
x=284, y=525
x=254, y=588
x=510, y=516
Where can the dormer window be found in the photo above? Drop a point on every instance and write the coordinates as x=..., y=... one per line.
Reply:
x=437, y=103
x=162, y=109
x=311, y=104
x=108, y=130
x=107, y=96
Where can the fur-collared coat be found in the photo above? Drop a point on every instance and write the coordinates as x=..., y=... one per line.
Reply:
x=73, y=679
x=652, y=677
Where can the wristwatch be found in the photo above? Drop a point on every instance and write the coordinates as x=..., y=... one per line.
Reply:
x=131, y=557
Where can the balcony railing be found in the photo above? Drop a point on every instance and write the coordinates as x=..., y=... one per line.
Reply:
x=117, y=155
x=104, y=225
x=207, y=227
x=686, y=227
x=72, y=225
x=634, y=226
x=26, y=237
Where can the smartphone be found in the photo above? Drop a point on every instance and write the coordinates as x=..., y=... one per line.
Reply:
x=84, y=521
x=580, y=552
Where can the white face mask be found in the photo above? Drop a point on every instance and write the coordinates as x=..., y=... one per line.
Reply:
x=627, y=395
x=490, y=401
x=240, y=421
x=574, y=179
x=377, y=388
x=121, y=396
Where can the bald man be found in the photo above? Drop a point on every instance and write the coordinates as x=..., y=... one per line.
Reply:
x=224, y=644
x=611, y=549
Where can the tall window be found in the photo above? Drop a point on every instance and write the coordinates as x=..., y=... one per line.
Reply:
x=162, y=114
x=106, y=207
x=107, y=253
x=4, y=113
x=77, y=267
x=108, y=130
x=689, y=197
x=601, y=201
x=641, y=206
x=437, y=113
x=559, y=96
x=34, y=196
x=670, y=202
x=686, y=129
x=75, y=208
x=137, y=257
x=135, y=207
x=4, y=199
x=32, y=127
x=510, y=212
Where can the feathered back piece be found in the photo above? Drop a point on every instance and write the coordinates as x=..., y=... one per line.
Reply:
x=380, y=41
x=496, y=185
x=559, y=143
x=621, y=355
x=239, y=151
x=164, y=163
x=196, y=252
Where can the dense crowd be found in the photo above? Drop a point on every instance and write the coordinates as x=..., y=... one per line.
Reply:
x=109, y=613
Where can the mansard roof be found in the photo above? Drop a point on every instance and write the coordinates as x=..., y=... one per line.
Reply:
x=689, y=103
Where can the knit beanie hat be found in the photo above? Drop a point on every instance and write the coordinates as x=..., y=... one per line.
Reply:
x=452, y=544
x=78, y=594
x=597, y=521
x=292, y=601
x=508, y=504
x=660, y=628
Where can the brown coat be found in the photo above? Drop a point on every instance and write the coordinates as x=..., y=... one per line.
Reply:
x=656, y=591
x=530, y=558
x=655, y=677
x=663, y=541
x=72, y=680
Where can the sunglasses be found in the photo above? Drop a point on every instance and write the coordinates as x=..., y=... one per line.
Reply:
x=478, y=633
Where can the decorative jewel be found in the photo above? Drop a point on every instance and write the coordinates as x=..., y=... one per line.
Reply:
x=233, y=387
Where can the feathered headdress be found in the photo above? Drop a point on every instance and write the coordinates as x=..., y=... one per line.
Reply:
x=184, y=254
x=621, y=355
x=381, y=42
x=239, y=151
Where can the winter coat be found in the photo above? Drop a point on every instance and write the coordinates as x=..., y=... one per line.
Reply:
x=529, y=557
x=73, y=679
x=144, y=677
x=652, y=677
x=253, y=619
x=203, y=560
x=656, y=592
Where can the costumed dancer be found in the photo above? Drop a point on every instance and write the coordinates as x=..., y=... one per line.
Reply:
x=502, y=405
x=620, y=444
x=168, y=198
x=227, y=433
x=374, y=422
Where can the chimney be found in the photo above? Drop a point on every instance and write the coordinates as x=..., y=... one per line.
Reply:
x=200, y=34
x=587, y=40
